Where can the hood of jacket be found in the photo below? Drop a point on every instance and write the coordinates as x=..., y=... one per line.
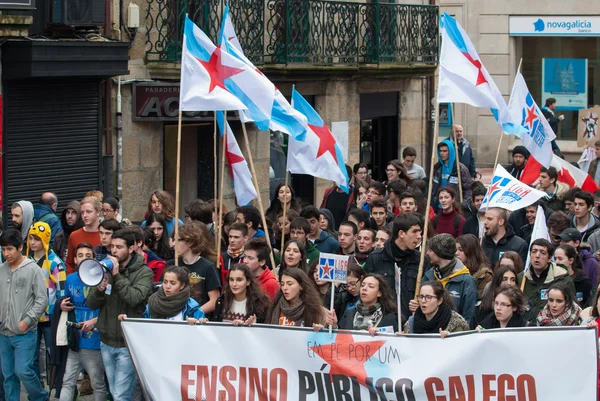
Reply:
x=73, y=205
x=585, y=252
x=593, y=227
x=27, y=208
x=266, y=276
x=330, y=219
x=323, y=237
x=451, y=162
x=554, y=271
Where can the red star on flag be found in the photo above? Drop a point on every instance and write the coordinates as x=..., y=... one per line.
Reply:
x=217, y=71
x=494, y=187
x=327, y=141
x=531, y=117
x=326, y=270
x=342, y=361
x=480, y=77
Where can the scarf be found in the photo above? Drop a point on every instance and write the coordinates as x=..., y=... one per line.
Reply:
x=440, y=320
x=396, y=253
x=294, y=313
x=162, y=306
x=570, y=317
x=367, y=316
x=235, y=253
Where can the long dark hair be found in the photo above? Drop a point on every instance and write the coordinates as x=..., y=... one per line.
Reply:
x=275, y=206
x=162, y=247
x=257, y=302
x=452, y=194
x=566, y=291
x=313, y=304
x=571, y=253
x=440, y=292
x=387, y=299
x=516, y=297
x=487, y=300
x=516, y=259
x=302, y=265
x=476, y=258
x=402, y=174
x=167, y=202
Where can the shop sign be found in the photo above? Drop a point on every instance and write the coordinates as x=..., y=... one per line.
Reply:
x=544, y=25
x=159, y=101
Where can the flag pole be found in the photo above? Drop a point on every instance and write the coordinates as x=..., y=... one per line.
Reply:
x=285, y=204
x=501, y=131
x=215, y=157
x=460, y=188
x=177, y=174
x=255, y=181
x=219, y=214
x=426, y=215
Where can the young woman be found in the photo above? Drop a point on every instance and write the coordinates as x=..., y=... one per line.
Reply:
x=294, y=255
x=173, y=300
x=327, y=222
x=567, y=256
x=350, y=295
x=243, y=301
x=283, y=195
x=436, y=312
x=383, y=234
x=280, y=228
x=395, y=171
x=469, y=251
x=511, y=258
x=110, y=209
x=504, y=276
x=376, y=308
x=297, y=303
x=509, y=305
x=448, y=220
x=561, y=309
x=360, y=194
x=162, y=244
x=162, y=203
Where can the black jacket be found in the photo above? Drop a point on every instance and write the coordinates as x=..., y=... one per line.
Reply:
x=382, y=262
x=471, y=226
x=347, y=321
x=490, y=322
x=510, y=242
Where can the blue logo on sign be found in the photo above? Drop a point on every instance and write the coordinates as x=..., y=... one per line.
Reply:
x=539, y=25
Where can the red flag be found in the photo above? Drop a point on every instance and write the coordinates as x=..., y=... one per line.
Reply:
x=567, y=174
x=531, y=171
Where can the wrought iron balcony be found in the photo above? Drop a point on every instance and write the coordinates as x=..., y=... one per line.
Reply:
x=319, y=32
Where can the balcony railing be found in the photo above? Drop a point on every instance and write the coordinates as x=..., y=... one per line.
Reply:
x=320, y=32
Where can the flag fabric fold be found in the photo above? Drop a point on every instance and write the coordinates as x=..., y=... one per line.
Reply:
x=316, y=153
x=567, y=174
x=238, y=168
x=508, y=193
x=540, y=230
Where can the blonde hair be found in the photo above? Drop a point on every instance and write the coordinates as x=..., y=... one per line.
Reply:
x=95, y=193
x=92, y=200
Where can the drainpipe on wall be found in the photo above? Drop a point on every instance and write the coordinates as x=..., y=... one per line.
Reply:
x=107, y=168
x=119, y=147
x=430, y=114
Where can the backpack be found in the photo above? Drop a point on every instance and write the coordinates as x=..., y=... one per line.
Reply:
x=456, y=222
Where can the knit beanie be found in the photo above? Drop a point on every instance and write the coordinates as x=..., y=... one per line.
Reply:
x=443, y=245
x=521, y=150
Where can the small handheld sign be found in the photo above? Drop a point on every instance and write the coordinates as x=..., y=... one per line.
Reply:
x=333, y=268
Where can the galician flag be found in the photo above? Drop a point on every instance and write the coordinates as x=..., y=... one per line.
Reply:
x=265, y=104
x=508, y=193
x=539, y=136
x=464, y=79
x=238, y=168
x=207, y=74
x=316, y=153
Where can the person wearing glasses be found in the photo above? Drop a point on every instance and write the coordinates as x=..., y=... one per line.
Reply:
x=375, y=191
x=509, y=305
x=435, y=313
x=350, y=294
x=395, y=170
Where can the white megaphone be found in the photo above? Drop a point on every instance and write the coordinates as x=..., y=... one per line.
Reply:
x=91, y=272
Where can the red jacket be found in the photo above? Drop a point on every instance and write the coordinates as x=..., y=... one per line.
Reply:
x=268, y=283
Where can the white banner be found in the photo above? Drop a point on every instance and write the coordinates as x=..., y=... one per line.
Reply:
x=219, y=361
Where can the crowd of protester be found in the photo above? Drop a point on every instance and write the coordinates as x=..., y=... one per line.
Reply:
x=480, y=271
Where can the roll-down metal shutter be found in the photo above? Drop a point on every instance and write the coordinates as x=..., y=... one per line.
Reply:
x=51, y=139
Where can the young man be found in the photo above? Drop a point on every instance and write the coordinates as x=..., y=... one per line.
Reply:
x=548, y=112
x=593, y=170
x=365, y=243
x=584, y=220
x=238, y=235
x=22, y=217
x=530, y=215
x=445, y=173
x=23, y=300
x=408, y=202
x=339, y=202
x=569, y=200
x=205, y=284
x=347, y=238
x=45, y=211
x=376, y=191
x=250, y=216
x=409, y=155
x=106, y=230
x=548, y=182
x=451, y=272
x=474, y=224
x=70, y=222
x=90, y=214
x=379, y=213
x=323, y=241
x=500, y=237
x=126, y=292
x=401, y=250
x=557, y=222
x=299, y=230
x=86, y=352
x=465, y=153
x=541, y=274
x=38, y=249
x=520, y=155
x=256, y=254
x=572, y=237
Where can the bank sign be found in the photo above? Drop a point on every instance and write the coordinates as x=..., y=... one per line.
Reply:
x=543, y=25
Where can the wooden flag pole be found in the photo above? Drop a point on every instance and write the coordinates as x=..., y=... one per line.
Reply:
x=502, y=132
x=219, y=214
x=426, y=227
x=255, y=181
x=457, y=152
x=177, y=174
x=215, y=157
x=284, y=209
